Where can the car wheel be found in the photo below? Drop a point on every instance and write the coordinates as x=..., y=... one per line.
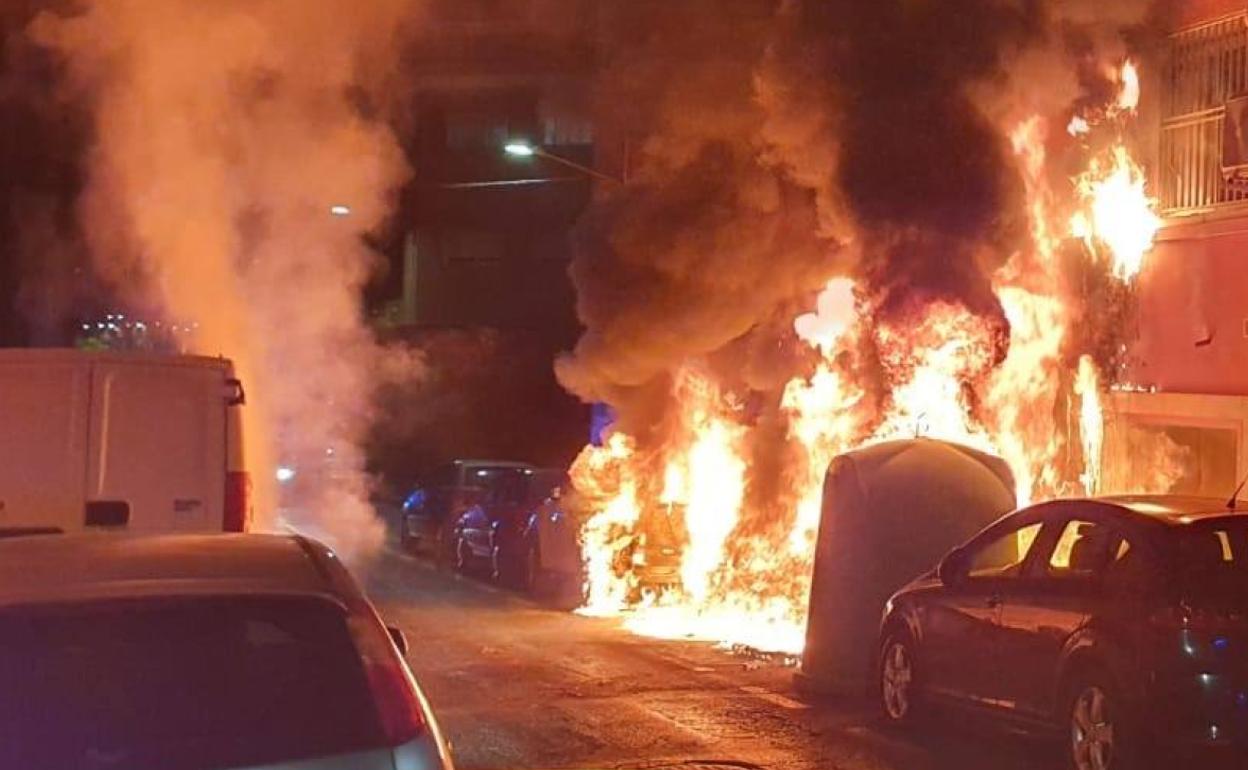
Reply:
x=1098, y=729
x=897, y=679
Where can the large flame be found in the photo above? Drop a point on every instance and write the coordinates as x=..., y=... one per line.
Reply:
x=1118, y=214
x=746, y=557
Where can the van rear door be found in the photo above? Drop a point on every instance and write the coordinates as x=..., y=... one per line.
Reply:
x=43, y=443
x=159, y=432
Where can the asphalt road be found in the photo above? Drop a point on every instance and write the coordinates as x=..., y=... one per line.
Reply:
x=520, y=687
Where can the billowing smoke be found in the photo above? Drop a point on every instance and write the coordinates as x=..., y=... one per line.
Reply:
x=778, y=144
x=224, y=133
x=717, y=232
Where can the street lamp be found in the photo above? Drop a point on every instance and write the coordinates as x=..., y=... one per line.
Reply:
x=520, y=148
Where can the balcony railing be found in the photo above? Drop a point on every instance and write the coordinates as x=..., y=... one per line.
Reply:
x=1208, y=65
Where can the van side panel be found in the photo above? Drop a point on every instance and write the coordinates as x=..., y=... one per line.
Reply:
x=43, y=439
x=159, y=434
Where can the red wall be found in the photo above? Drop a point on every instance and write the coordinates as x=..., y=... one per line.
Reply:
x=1194, y=289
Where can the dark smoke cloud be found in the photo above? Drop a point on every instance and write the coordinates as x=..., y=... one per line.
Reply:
x=714, y=230
x=783, y=143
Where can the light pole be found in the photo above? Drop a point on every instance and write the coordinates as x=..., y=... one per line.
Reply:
x=521, y=149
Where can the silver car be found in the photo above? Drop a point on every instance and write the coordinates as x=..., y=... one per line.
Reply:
x=200, y=652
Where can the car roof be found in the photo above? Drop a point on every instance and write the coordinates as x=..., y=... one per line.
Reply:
x=1175, y=510
x=116, y=565
x=45, y=356
x=496, y=464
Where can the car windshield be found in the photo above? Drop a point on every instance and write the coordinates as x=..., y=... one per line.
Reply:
x=191, y=683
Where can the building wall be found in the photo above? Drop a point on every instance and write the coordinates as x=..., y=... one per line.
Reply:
x=1193, y=309
x=1193, y=293
x=487, y=236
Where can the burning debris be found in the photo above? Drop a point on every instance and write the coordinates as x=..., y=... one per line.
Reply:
x=944, y=203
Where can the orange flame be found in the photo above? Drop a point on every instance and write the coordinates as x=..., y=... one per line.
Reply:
x=1129, y=96
x=1118, y=214
x=1091, y=422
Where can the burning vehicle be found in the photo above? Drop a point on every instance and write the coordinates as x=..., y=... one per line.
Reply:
x=649, y=554
x=789, y=301
x=647, y=557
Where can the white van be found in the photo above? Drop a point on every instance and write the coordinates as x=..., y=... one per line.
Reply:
x=135, y=441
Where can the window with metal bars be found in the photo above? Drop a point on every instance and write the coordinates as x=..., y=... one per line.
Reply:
x=1204, y=110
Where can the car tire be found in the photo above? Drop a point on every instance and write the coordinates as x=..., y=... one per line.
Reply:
x=1099, y=732
x=896, y=679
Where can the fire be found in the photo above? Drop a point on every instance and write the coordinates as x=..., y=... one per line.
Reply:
x=1118, y=214
x=1091, y=422
x=711, y=485
x=605, y=475
x=931, y=363
x=747, y=535
x=833, y=316
x=1129, y=96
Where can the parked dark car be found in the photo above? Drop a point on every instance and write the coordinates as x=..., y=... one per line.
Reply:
x=430, y=511
x=1122, y=622
x=492, y=535
x=200, y=652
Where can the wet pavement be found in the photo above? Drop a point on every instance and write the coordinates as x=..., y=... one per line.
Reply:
x=519, y=686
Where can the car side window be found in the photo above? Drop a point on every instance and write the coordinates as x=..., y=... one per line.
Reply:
x=1085, y=549
x=1131, y=569
x=1003, y=556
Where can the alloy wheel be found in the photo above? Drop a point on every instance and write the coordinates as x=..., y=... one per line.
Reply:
x=896, y=677
x=1092, y=730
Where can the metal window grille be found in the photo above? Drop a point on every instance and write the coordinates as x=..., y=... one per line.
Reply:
x=1208, y=65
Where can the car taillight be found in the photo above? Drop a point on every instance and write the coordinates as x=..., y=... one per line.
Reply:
x=237, y=501
x=398, y=706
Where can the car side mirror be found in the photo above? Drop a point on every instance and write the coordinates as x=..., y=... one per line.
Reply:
x=952, y=568
x=399, y=638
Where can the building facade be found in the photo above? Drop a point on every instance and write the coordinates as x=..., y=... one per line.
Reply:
x=485, y=238
x=1189, y=398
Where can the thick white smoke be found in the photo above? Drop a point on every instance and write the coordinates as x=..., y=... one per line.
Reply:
x=224, y=132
